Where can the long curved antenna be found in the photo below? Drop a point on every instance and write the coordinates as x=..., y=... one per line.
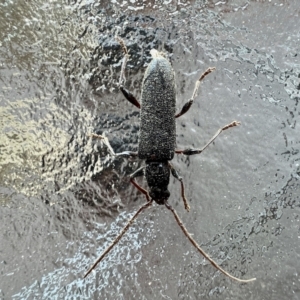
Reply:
x=116, y=240
x=199, y=248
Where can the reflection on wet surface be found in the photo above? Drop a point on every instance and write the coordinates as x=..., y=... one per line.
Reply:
x=64, y=198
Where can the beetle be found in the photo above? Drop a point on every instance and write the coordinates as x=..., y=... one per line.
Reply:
x=157, y=141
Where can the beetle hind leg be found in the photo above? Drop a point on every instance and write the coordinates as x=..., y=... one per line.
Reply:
x=176, y=175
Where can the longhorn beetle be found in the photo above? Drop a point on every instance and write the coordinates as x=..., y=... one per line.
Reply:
x=157, y=140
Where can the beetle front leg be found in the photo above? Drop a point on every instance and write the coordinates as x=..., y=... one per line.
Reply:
x=176, y=175
x=188, y=105
x=128, y=95
x=192, y=151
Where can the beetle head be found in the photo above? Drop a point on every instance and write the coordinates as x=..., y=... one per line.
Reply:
x=158, y=176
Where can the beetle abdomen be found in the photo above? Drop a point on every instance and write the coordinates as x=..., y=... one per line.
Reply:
x=157, y=135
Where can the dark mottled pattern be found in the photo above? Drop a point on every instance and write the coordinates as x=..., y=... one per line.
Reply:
x=157, y=128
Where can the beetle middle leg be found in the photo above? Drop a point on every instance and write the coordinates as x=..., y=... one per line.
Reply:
x=127, y=94
x=111, y=150
x=188, y=104
x=192, y=151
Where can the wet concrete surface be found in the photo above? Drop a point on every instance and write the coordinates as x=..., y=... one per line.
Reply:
x=63, y=198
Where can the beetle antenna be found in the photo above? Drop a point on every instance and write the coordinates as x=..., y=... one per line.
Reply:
x=187, y=234
x=117, y=239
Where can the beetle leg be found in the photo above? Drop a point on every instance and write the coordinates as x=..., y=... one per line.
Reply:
x=105, y=140
x=116, y=240
x=128, y=95
x=192, y=151
x=139, y=172
x=111, y=150
x=185, y=108
x=188, y=105
x=188, y=235
x=176, y=175
x=128, y=154
x=126, y=56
